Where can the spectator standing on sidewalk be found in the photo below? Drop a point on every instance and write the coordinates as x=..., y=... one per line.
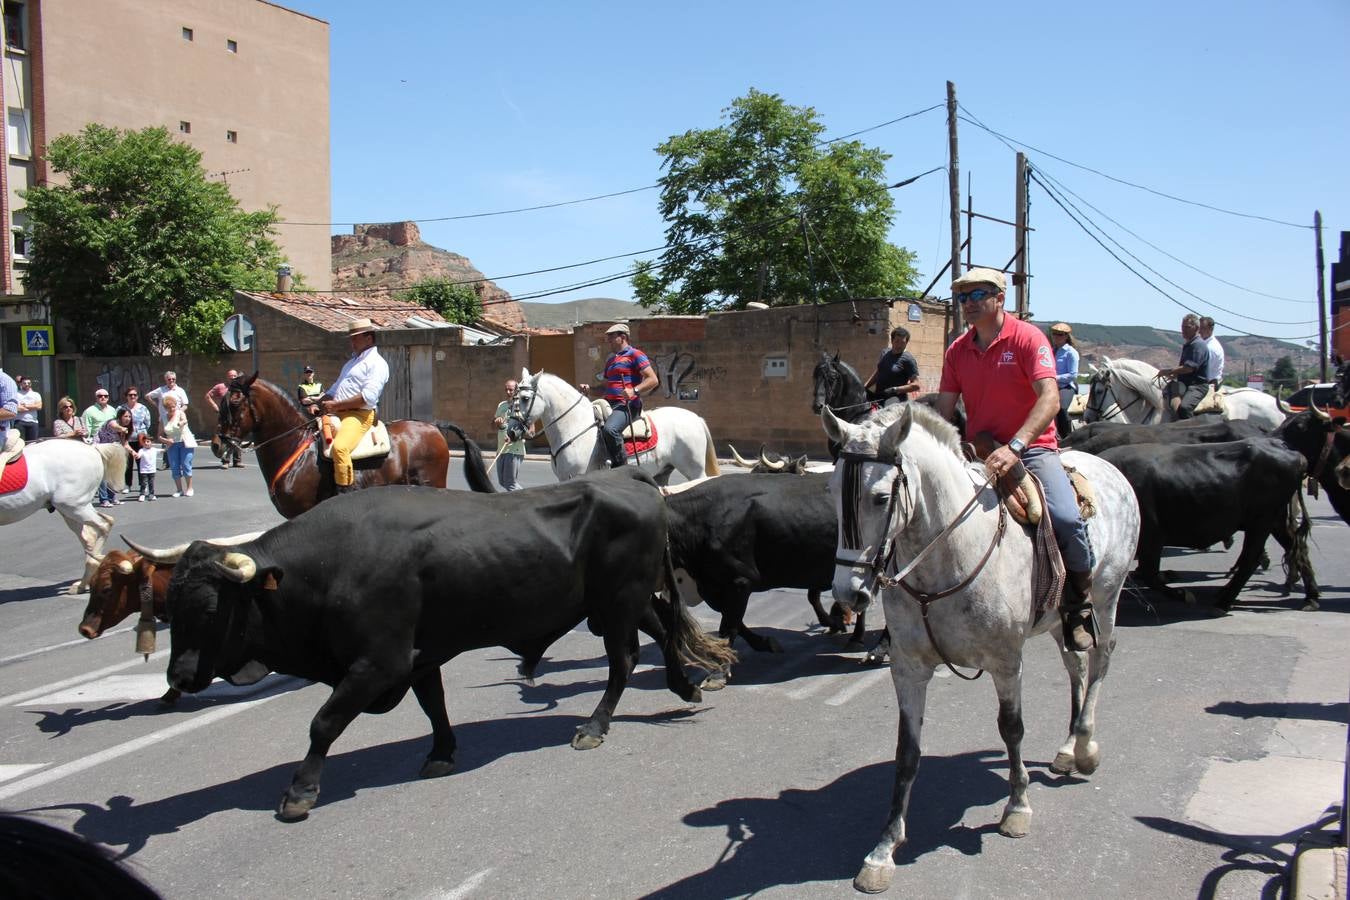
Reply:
x=113, y=431
x=177, y=436
x=140, y=424
x=30, y=401
x=169, y=388
x=146, y=454
x=67, y=424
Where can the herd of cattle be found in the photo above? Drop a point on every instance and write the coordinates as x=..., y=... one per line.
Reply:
x=372, y=593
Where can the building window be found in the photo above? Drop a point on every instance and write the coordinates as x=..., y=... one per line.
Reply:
x=231, y=45
x=20, y=243
x=19, y=133
x=14, y=26
x=187, y=33
x=232, y=137
x=185, y=127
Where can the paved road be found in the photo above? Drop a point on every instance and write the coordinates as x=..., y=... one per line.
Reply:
x=1222, y=740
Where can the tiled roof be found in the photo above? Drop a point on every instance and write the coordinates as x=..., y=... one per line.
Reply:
x=333, y=312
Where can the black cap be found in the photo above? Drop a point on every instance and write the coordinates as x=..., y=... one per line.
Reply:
x=309, y=368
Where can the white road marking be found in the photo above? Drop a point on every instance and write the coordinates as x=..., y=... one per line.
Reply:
x=15, y=699
x=467, y=887
x=137, y=688
x=40, y=650
x=807, y=688
x=211, y=716
x=859, y=685
x=14, y=770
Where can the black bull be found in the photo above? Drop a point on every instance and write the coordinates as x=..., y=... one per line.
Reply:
x=1101, y=436
x=1197, y=495
x=371, y=593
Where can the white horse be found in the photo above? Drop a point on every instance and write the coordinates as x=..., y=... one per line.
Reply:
x=683, y=442
x=904, y=492
x=64, y=475
x=1124, y=391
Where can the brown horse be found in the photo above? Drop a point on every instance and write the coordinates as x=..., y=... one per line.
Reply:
x=285, y=440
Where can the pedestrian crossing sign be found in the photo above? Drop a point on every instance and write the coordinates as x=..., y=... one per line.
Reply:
x=37, y=340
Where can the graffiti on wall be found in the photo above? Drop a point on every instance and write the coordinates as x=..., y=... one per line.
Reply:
x=116, y=377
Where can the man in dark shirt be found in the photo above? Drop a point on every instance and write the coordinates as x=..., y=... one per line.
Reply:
x=897, y=373
x=1190, y=376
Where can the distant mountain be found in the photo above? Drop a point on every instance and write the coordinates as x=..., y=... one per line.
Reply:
x=595, y=309
x=1160, y=347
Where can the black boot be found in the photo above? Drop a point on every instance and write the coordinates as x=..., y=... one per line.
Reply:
x=346, y=488
x=1075, y=608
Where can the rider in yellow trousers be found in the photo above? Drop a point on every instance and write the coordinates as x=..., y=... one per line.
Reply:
x=354, y=397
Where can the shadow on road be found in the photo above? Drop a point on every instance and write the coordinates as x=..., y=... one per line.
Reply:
x=805, y=836
x=1321, y=712
x=54, y=591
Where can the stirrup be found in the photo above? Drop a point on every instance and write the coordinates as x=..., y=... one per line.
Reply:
x=1088, y=623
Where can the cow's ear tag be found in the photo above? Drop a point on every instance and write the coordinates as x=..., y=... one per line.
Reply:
x=270, y=582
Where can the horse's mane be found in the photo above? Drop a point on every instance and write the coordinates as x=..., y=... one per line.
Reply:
x=274, y=388
x=927, y=418
x=1138, y=377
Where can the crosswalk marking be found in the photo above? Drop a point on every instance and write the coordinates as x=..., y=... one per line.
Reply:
x=38, y=651
x=136, y=688
x=14, y=770
x=16, y=699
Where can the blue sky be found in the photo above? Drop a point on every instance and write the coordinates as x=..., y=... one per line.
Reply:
x=442, y=109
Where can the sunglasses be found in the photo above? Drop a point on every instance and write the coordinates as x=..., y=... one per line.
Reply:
x=100, y=396
x=132, y=394
x=974, y=296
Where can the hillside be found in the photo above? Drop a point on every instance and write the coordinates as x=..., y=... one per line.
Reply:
x=393, y=257
x=593, y=309
x=1161, y=347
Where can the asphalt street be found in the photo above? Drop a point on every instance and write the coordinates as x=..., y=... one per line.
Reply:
x=1222, y=742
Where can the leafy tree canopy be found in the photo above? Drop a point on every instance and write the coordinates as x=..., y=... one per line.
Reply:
x=744, y=203
x=1284, y=375
x=458, y=303
x=138, y=251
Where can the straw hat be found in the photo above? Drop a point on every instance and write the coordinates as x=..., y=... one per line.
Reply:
x=360, y=326
x=1061, y=328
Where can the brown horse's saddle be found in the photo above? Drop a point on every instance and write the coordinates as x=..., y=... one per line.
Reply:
x=1213, y=402
x=374, y=442
x=13, y=446
x=639, y=431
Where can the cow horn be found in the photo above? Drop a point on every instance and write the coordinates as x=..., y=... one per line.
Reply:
x=740, y=461
x=770, y=464
x=239, y=567
x=125, y=567
x=1284, y=407
x=1322, y=416
x=158, y=556
x=234, y=539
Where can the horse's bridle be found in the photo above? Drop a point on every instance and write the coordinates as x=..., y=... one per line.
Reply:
x=227, y=418
x=524, y=419
x=1115, y=409
x=884, y=557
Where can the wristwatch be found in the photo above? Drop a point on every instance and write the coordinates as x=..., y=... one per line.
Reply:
x=1017, y=446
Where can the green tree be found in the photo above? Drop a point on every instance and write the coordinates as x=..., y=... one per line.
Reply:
x=1284, y=375
x=458, y=303
x=138, y=251
x=760, y=209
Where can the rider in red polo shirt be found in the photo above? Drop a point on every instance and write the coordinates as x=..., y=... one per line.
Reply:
x=1004, y=370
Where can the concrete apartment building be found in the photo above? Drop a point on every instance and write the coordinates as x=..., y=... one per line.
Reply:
x=243, y=81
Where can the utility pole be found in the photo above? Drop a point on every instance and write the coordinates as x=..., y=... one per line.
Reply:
x=1321, y=299
x=954, y=188
x=1020, y=241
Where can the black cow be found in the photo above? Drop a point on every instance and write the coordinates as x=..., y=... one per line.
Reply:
x=1196, y=495
x=371, y=593
x=1325, y=445
x=1100, y=436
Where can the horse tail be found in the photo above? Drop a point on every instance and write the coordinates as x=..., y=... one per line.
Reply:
x=114, y=464
x=686, y=636
x=710, y=466
x=475, y=472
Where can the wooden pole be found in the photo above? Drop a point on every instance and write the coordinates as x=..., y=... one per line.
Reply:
x=970, y=220
x=1321, y=300
x=954, y=187
x=1020, y=240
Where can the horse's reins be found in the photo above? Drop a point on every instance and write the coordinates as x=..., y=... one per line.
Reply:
x=1115, y=403
x=524, y=419
x=885, y=555
x=290, y=460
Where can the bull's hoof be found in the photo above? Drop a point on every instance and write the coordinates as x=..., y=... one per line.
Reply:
x=1063, y=764
x=436, y=768
x=695, y=696
x=1221, y=609
x=714, y=682
x=1188, y=597
x=1088, y=761
x=1015, y=824
x=1310, y=606
x=295, y=809
x=873, y=879
x=774, y=646
x=876, y=659
x=854, y=646
x=170, y=697
x=582, y=741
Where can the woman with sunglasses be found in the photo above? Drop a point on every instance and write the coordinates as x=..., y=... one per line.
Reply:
x=1004, y=370
x=140, y=424
x=1066, y=369
x=67, y=424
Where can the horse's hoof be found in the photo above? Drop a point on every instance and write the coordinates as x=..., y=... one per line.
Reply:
x=74, y=589
x=1088, y=762
x=1063, y=764
x=170, y=697
x=581, y=741
x=873, y=879
x=295, y=809
x=436, y=768
x=876, y=659
x=1188, y=597
x=695, y=696
x=714, y=682
x=1015, y=824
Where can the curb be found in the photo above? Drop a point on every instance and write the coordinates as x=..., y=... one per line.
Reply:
x=1319, y=874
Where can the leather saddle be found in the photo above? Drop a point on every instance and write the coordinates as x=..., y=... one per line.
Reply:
x=374, y=442
x=639, y=431
x=1018, y=489
x=13, y=447
x=1213, y=402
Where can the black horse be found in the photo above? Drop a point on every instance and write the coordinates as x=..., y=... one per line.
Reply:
x=837, y=385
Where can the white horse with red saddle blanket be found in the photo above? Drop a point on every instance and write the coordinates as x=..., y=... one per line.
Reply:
x=919, y=525
x=682, y=441
x=64, y=475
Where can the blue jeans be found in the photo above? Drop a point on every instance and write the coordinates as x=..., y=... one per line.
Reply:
x=180, y=459
x=105, y=493
x=1061, y=503
x=613, y=429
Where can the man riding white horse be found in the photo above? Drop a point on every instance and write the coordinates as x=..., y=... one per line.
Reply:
x=1191, y=375
x=1004, y=370
x=628, y=375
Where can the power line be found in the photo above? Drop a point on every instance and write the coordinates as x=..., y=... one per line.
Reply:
x=844, y=137
x=1008, y=141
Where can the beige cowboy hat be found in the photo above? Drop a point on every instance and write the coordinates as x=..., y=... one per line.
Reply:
x=981, y=276
x=360, y=326
x=617, y=329
x=1061, y=328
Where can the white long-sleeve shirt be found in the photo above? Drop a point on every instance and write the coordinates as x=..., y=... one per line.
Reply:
x=365, y=375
